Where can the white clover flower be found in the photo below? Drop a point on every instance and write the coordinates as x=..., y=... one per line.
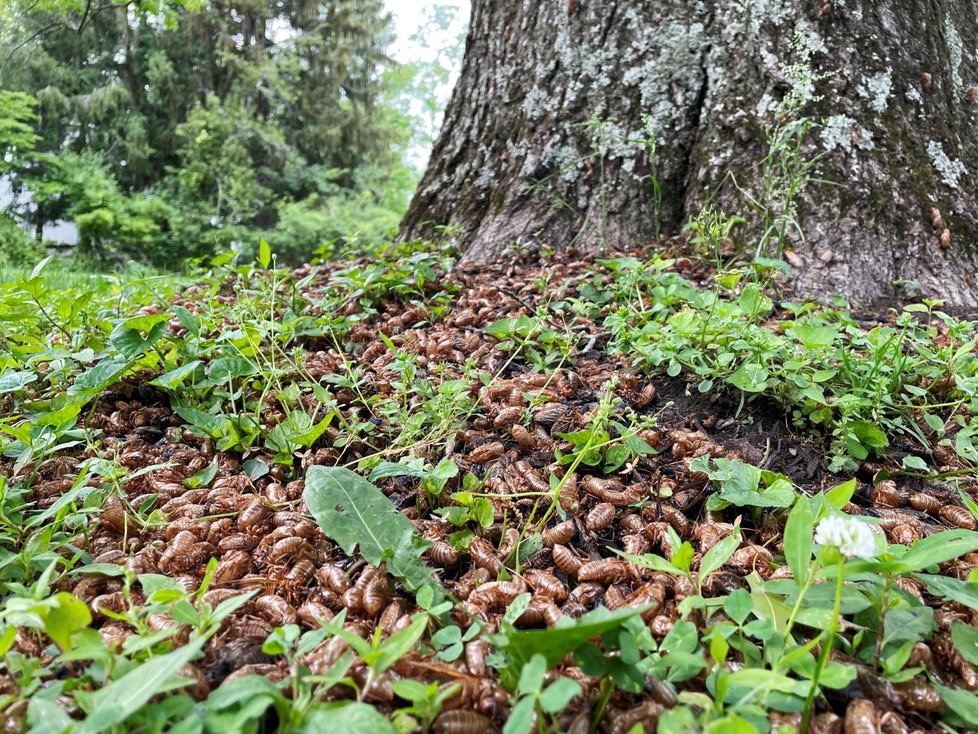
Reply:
x=851, y=537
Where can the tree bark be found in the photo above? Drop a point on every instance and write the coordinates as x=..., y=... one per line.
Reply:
x=517, y=161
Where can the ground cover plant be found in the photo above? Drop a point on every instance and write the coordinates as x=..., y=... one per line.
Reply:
x=637, y=491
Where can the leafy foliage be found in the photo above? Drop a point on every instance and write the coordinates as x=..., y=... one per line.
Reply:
x=357, y=515
x=181, y=128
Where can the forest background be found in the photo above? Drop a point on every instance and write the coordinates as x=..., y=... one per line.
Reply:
x=165, y=130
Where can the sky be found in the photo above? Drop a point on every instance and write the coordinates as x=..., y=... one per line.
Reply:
x=409, y=15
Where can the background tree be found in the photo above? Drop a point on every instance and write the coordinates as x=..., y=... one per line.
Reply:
x=850, y=124
x=18, y=153
x=182, y=127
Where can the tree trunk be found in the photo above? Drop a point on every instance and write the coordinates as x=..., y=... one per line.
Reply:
x=542, y=141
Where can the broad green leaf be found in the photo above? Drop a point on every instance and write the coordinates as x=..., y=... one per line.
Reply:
x=174, y=378
x=798, y=539
x=520, y=719
x=750, y=378
x=913, y=623
x=965, y=447
x=7, y=638
x=914, y=462
x=965, y=638
x=400, y=643
x=354, y=513
x=213, y=426
x=116, y=702
x=531, y=676
x=962, y=703
x=128, y=336
x=840, y=495
x=554, y=644
x=738, y=605
x=869, y=435
x=14, y=380
x=188, y=320
x=963, y=592
x=940, y=547
x=731, y=724
x=346, y=717
x=68, y=615
x=264, y=253
x=98, y=377
x=719, y=553
x=558, y=694
x=651, y=562
x=225, y=369
x=242, y=700
x=740, y=486
x=202, y=478
x=386, y=469
x=813, y=336
x=761, y=679
x=935, y=423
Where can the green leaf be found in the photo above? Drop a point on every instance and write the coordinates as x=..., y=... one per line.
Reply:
x=750, y=378
x=652, y=562
x=69, y=615
x=213, y=426
x=868, y=435
x=400, y=643
x=97, y=378
x=128, y=337
x=963, y=592
x=202, y=478
x=175, y=377
x=965, y=638
x=935, y=423
x=386, y=469
x=236, y=703
x=225, y=369
x=554, y=644
x=940, y=547
x=531, y=676
x=965, y=446
x=348, y=717
x=7, y=638
x=913, y=623
x=740, y=485
x=187, y=320
x=738, y=605
x=15, y=380
x=719, y=553
x=962, y=703
x=116, y=702
x=732, y=724
x=914, y=462
x=354, y=513
x=520, y=719
x=264, y=253
x=812, y=336
x=840, y=495
x=558, y=694
x=761, y=679
x=255, y=468
x=798, y=539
